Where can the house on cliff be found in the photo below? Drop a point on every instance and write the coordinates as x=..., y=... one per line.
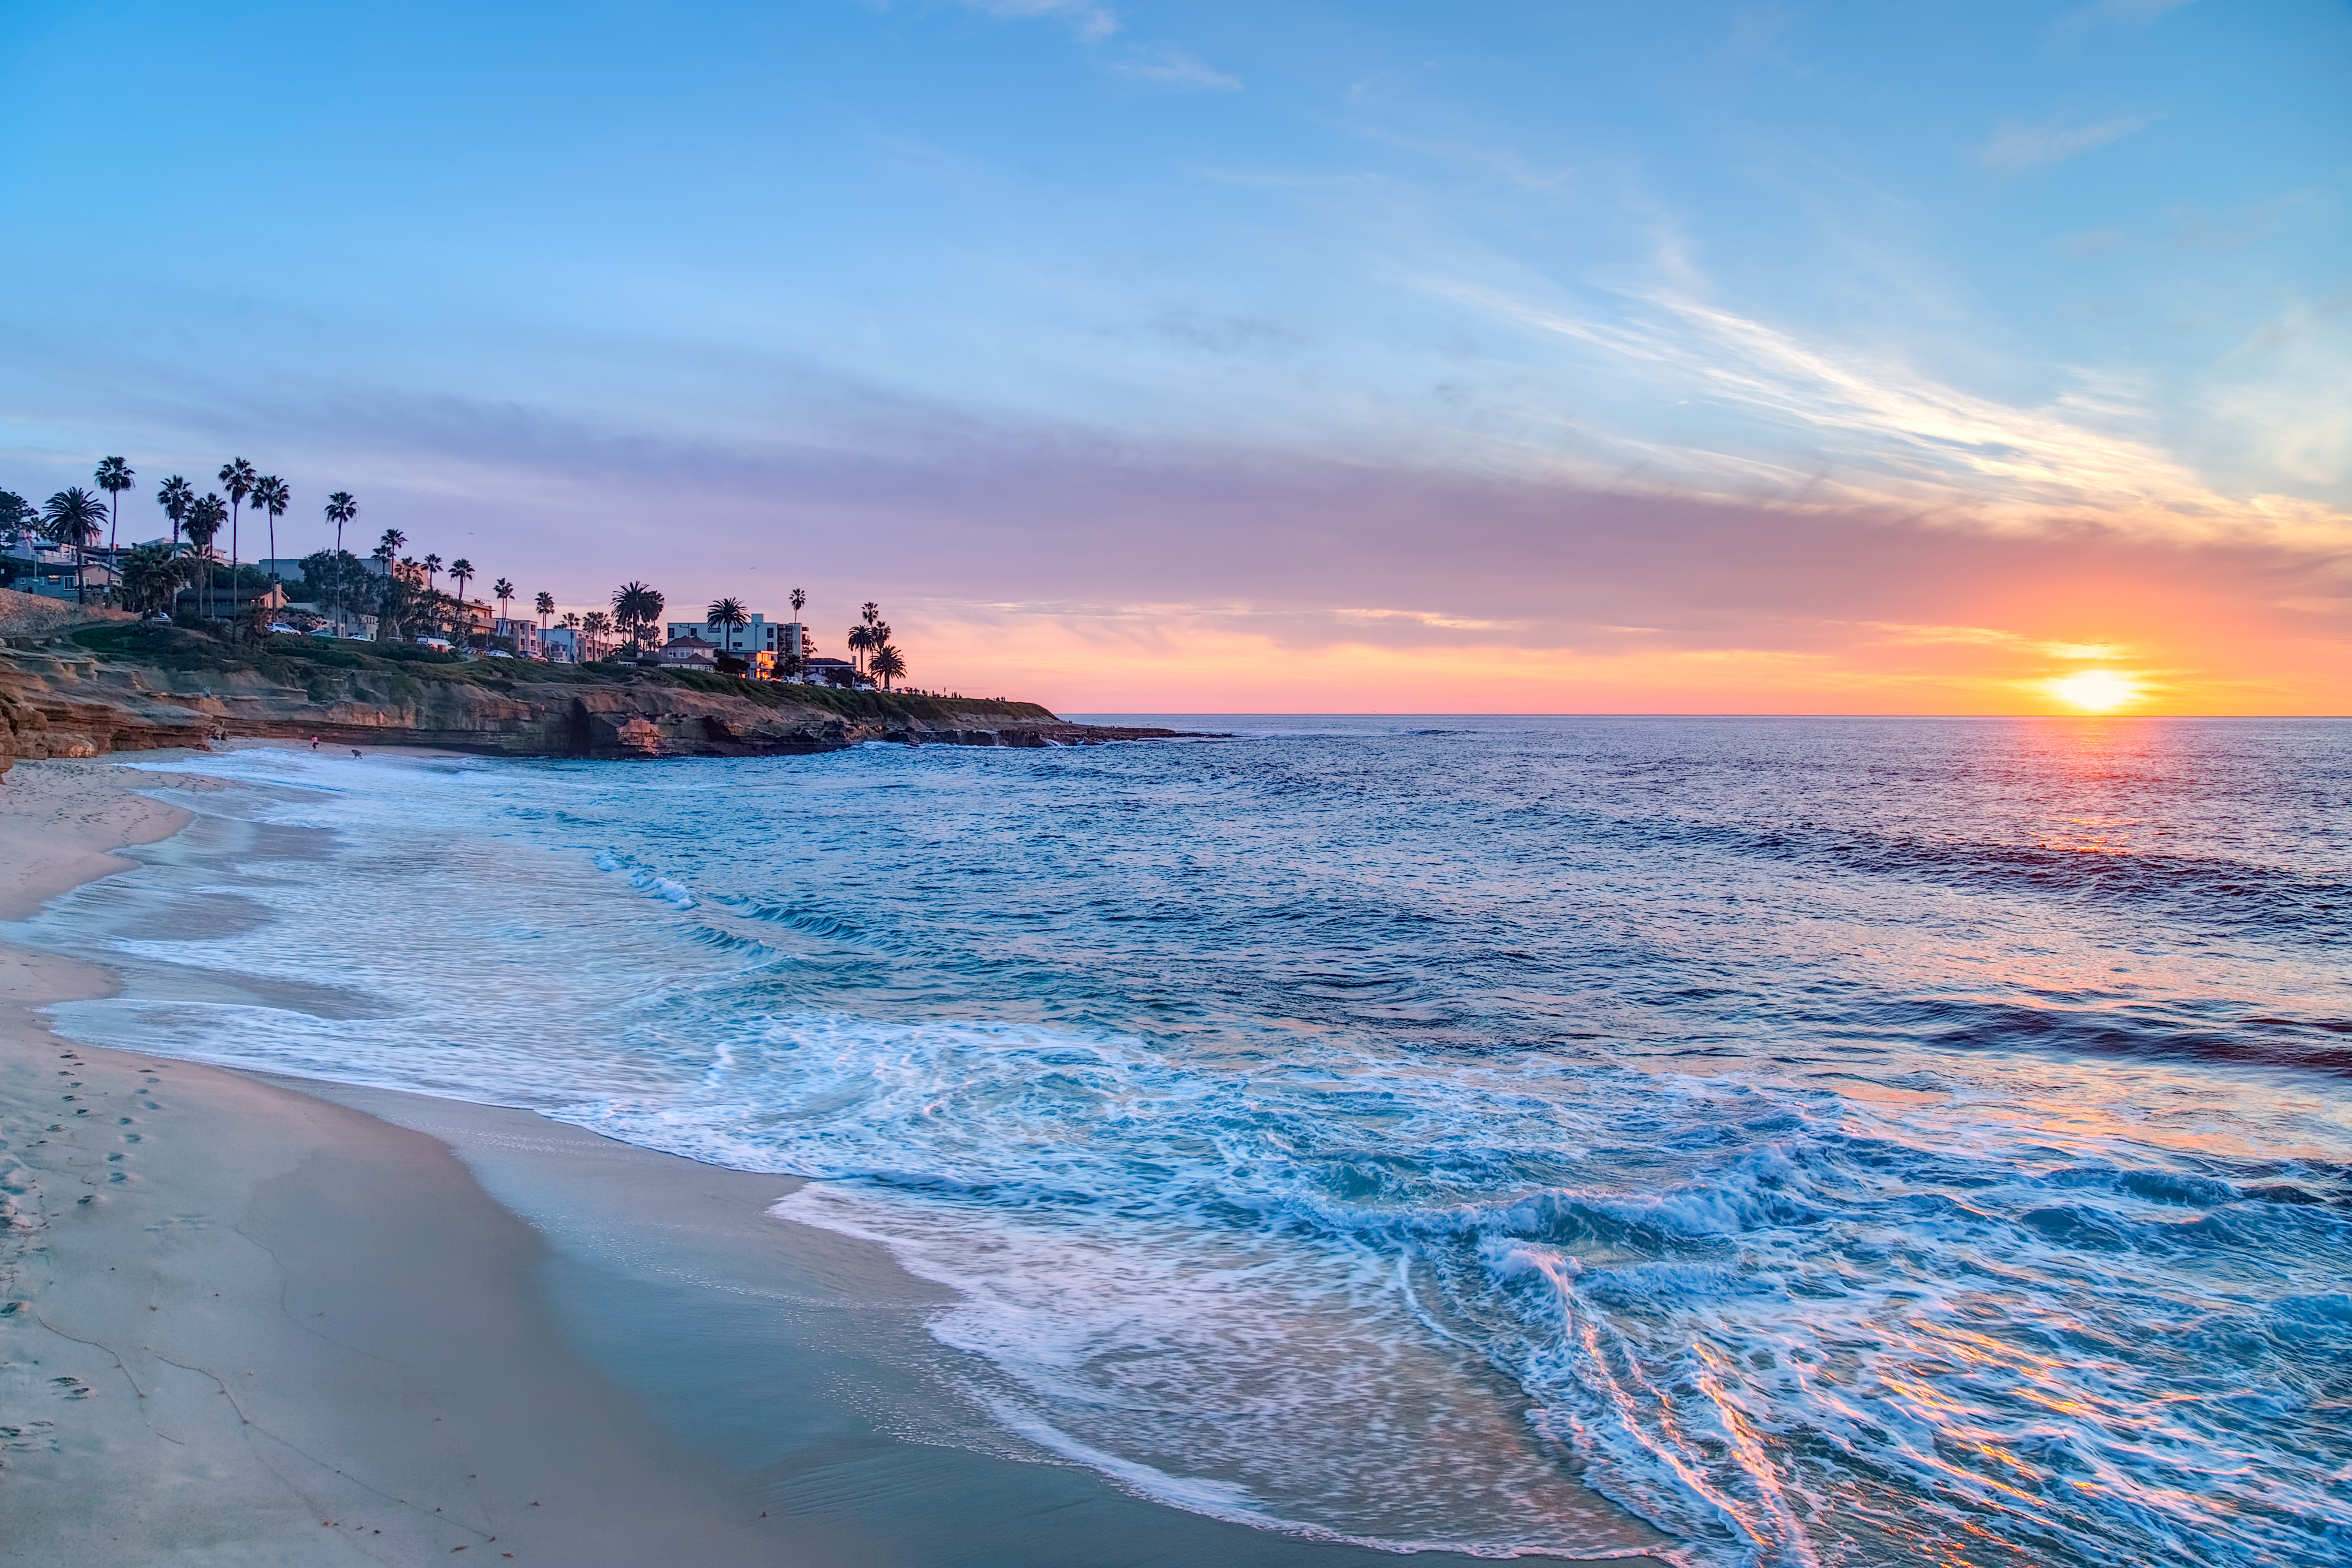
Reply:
x=689, y=652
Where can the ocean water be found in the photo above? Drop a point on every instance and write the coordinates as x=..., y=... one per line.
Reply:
x=1831, y=1141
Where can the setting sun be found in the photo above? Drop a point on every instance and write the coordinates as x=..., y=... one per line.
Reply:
x=2095, y=691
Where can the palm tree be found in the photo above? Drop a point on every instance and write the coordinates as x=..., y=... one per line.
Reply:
x=15, y=518
x=461, y=572
x=71, y=517
x=502, y=590
x=593, y=625
x=858, y=642
x=151, y=576
x=727, y=614
x=432, y=567
x=887, y=662
x=237, y=477
x=269, y=493
x=340, y=509
x=175, y=496
x=799, y=598
x=206, y=514
x=387, y=551
x=545, y=605
x=870, y=632
x=636, y=606
x=114, y=477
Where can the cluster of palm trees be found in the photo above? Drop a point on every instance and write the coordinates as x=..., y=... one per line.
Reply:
x=402, y=594
x=870, y=649
x=71, y=520
x=150, y=576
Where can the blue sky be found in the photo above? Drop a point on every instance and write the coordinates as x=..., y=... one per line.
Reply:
x=1588, y=346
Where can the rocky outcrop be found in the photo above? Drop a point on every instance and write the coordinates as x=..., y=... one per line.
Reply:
x=56, y=703
x=116, y=689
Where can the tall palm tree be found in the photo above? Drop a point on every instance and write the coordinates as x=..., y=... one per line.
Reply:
x=340, y=509
x=887, y=662
x=114, y=477
x=71, y=517
x=387, y=551
x=796, y=653
x=545, y=605
x=270, y=496
x=431, y=568
x=860, y=640
x=592, y=626
x=870, y=632
x=461, y=572
x=206, y=514
x=175, y=496
x=502, y=590
x=237, y=477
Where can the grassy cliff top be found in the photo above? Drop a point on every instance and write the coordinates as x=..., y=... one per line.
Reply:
x=300, y=661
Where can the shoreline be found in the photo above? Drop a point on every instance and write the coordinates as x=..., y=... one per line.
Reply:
x=240, y=1318
x=306, y=1303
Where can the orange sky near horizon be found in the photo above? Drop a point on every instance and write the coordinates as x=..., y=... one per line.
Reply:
x=2159, y=659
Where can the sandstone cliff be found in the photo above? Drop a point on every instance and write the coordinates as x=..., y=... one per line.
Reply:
x=82, y=691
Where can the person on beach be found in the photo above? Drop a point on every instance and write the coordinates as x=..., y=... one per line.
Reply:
x=314, y=743
x=356, y=753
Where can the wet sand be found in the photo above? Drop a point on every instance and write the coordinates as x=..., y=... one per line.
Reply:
x=259, y=1321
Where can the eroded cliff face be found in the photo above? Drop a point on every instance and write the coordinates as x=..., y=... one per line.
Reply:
x=55, y=701
x=60, y=698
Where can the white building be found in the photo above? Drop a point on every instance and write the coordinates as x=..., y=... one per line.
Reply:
x=758, y=635
x=691, y=652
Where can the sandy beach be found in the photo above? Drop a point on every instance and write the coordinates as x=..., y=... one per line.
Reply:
x=258, y=1322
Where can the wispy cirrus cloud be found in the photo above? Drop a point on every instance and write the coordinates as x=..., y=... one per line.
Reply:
x=1992, y=637
x=2016, y=148
x=1094, y=22
x=2110, y=13
x=1172, y=69
x=1901, y=438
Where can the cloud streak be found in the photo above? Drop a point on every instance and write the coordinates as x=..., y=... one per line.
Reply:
x=1172, y=69
x=1094, y=22
x=2017, y=147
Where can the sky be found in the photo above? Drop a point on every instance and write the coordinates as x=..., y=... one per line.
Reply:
x=1277, y=357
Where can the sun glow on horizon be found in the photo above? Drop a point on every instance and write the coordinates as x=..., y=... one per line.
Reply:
x=2095, y=691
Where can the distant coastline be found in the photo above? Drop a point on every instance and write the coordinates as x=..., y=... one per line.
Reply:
x=78, y=685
